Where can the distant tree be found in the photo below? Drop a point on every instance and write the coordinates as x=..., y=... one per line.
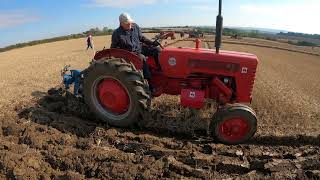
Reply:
x=92, y=30
x=105, y=29
x=254, y=33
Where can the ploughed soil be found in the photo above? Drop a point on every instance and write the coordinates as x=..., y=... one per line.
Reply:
x=58, y=138
x=53, y=136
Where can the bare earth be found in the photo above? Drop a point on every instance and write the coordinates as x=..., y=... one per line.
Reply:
x=53, y=137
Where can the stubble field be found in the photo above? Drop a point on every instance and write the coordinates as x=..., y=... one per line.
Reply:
x=51, y=137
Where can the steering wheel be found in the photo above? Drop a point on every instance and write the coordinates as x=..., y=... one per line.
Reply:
x=157, y=42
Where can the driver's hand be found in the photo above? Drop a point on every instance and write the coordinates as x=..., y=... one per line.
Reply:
x=156, y=43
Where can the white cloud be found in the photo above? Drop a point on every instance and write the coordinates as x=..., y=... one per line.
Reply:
x=296, y=16
x=15, y=18
x=122, y=3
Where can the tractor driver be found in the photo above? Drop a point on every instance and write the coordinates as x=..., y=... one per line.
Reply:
x=129, y=37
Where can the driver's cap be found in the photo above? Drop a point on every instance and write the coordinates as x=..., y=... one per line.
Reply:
x=125, y=18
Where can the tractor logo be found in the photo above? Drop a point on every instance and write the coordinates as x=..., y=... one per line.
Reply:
x=244, y=70
x=192, y=94
x=172, y=61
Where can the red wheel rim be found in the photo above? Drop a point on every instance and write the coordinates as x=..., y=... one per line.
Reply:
x=234, y=129
x=113, y=96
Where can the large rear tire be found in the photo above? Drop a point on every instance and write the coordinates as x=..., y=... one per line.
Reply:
x=233, y=124
x=116, y=92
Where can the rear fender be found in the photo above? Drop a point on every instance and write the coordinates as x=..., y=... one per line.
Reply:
x=119, y=53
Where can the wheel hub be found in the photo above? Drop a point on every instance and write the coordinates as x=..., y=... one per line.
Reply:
x=234, y=129
x=113, y=96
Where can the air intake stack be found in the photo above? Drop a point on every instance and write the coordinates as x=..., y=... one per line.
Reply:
x=219, y=24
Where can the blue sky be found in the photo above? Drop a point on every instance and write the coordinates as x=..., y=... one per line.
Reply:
x=22, y=20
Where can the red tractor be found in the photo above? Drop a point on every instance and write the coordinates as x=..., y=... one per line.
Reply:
x=114, y=88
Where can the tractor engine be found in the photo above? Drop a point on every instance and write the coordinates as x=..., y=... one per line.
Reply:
x=199, y=74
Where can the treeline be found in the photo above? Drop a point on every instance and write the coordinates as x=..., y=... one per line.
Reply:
x=99, y=32
x=32, y=43
x=258, y=34
x=293, y=34
x=230, y=32
x=92, y=31
x=206, y=30
x=303, y=43
x=241, y=33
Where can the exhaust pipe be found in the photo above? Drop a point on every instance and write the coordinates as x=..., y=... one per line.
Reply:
x=219, y=24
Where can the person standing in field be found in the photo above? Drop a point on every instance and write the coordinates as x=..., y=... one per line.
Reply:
x=89, y=42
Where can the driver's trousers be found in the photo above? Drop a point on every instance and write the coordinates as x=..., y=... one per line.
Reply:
x=149, y=51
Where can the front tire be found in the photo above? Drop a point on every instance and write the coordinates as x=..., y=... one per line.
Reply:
x=233, y=124
x=116, y=92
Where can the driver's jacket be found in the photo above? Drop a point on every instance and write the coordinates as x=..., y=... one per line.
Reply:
x=129, y=39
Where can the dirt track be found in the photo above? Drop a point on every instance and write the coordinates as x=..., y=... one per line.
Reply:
x=52, y=137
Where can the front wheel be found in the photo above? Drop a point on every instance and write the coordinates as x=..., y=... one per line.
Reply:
x=233, y=124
